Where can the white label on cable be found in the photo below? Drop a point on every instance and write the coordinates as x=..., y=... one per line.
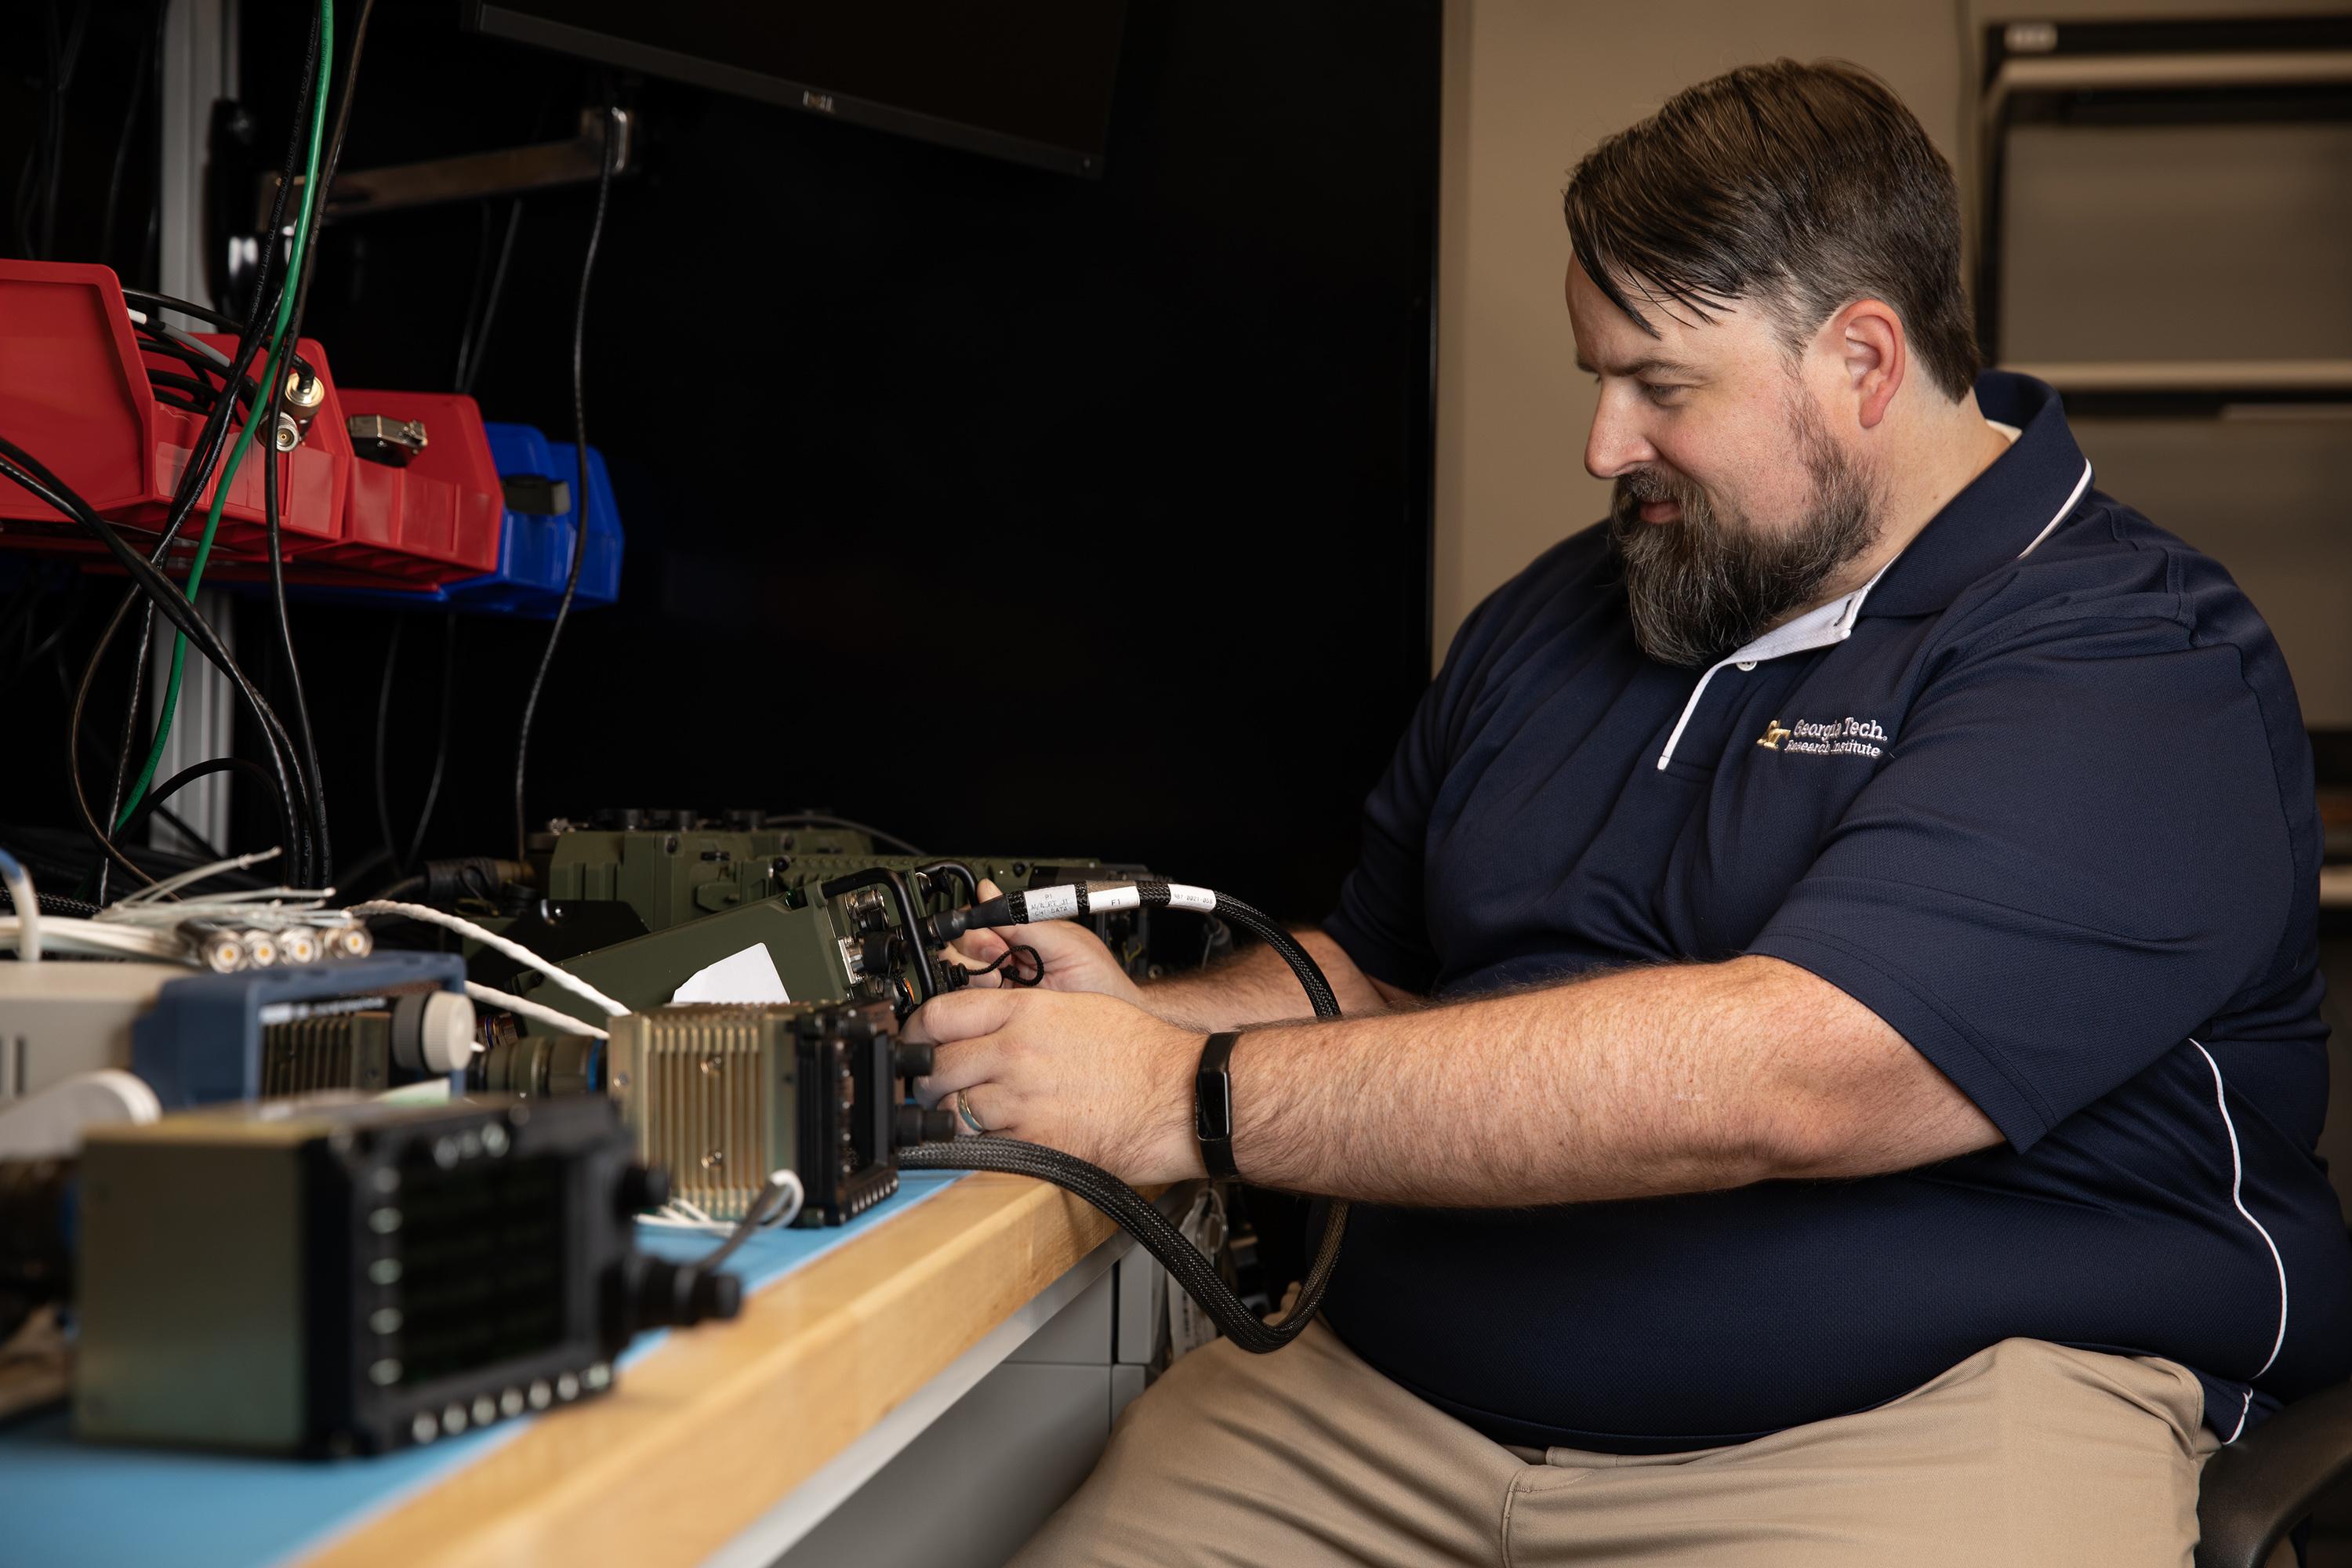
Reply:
x=1104, y=897
x=1181, y=897
x=746, y=976
x=1053, y=904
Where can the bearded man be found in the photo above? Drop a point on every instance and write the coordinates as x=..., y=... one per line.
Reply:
x=1832, y=1059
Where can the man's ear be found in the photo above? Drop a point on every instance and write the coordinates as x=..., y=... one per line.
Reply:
x=1873, y=356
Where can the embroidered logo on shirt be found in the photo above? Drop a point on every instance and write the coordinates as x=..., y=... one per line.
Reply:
x=1834, y=737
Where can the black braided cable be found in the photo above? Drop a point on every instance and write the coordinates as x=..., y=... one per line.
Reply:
x=1310, y=973
x=1130, y=1210
x=1134, y=1213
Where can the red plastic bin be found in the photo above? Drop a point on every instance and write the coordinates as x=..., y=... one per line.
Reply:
x=73, y=392
x=438, y=518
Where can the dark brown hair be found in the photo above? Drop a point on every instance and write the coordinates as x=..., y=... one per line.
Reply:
x=1804, y=187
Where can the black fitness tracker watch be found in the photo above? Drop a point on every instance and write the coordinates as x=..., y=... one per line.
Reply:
x=1213, y=1106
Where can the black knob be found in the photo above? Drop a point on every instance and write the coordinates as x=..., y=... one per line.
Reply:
x=643, y=1187
x=679, y=1295
x=717, y=1296
x=911, y=1058
x=911, y=1124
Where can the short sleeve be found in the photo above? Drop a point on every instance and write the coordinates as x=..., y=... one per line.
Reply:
x=2074, y=852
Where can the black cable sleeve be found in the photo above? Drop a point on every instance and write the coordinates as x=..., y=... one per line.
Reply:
x=79, y=726
x=199, y=394
x=327, y=167
x=129, y=721
x=579, y=497
x=313, y=781
x=99, y=835
x=58, y=904
x=477, y=341
x=188, y=775
x=212, y=442
x=28, y=472
x=1311, y=978
x=1134, y=1213
x=49, y=904
x=1128, y=1208
x=214, y=372
x=148, y=298
x=313, y=872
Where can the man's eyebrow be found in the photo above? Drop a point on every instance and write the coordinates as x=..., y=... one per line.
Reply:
x=1649, y=365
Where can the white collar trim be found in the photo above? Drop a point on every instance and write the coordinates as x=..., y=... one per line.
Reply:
x=1817, y=627
x=1828, y=624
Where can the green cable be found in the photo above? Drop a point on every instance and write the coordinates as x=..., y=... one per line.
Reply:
x=281, y=347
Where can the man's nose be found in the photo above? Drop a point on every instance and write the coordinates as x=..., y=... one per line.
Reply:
x=1615, y=443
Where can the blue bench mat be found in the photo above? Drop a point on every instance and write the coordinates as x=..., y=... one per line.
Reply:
x=70, y=1505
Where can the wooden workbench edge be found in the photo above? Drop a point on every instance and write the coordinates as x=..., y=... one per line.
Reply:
x=706, y=1433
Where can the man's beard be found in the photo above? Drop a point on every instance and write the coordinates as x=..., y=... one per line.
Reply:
x=1711, y=580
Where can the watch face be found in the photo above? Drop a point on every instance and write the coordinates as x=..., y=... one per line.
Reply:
x=1213, y=1106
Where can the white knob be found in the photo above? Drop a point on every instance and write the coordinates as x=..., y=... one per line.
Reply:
x=447, y=1031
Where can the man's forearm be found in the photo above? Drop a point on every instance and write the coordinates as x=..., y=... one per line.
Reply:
x=1663, y=1081
x=1255, y=986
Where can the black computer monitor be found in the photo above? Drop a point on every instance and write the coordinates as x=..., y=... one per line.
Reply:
x=1025, y=79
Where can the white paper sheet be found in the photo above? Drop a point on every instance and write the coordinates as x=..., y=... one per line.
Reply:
x=747, y=976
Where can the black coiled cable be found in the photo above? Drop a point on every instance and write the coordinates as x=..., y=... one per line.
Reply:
x=1134, y=1213
x=1126, y=1208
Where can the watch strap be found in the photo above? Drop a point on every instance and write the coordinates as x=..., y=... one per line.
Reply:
x=1212, y=1105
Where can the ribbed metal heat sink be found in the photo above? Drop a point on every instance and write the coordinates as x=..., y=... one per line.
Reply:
x=341, y=1050
x=704, y=1086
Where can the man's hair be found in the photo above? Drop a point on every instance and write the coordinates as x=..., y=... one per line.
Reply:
x=1802, y=188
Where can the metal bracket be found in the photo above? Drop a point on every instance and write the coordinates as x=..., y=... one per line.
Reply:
x=470, y=176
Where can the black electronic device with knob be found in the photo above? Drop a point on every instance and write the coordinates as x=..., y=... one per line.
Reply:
x=395, y=1275
x=726, y=1095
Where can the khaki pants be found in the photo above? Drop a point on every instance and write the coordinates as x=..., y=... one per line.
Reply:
x=2024, y=1454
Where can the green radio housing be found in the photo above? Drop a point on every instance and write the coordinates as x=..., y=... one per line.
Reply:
x=705, y=895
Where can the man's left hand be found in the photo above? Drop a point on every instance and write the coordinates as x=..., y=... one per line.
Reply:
x=1088, y=1075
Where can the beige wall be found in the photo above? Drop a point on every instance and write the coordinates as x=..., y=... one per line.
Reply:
x=1531, y=86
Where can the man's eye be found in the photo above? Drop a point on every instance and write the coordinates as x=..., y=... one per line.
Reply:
x=1661, y=393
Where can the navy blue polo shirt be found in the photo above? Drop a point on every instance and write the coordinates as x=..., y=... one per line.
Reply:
x=2040, y=796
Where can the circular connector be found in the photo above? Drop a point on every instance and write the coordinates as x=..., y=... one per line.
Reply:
x=352, y=941
x=260, y=947
x=289, y=432
x=297, y=945
x=433, y=1034
x=304, y=394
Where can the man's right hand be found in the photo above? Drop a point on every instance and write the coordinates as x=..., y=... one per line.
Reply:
x=1075, y=959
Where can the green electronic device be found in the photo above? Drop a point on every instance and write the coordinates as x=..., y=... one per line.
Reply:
x=679, y=896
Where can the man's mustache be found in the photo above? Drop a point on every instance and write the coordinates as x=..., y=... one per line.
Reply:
x=1645, y=485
